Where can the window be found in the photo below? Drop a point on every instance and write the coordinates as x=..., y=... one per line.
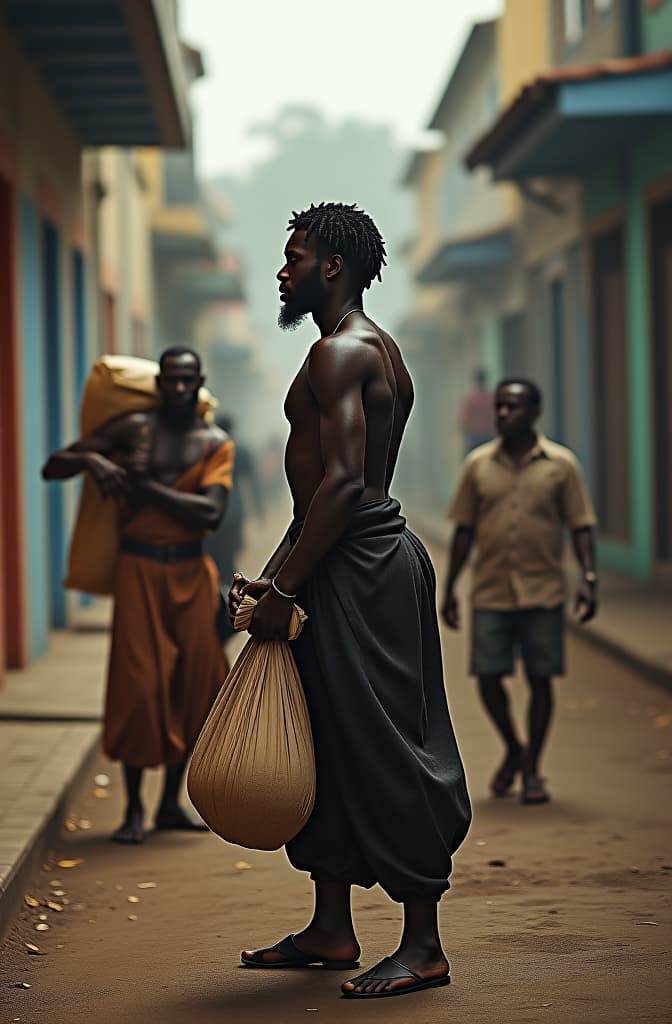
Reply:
x=576, y=19
x=603, y=7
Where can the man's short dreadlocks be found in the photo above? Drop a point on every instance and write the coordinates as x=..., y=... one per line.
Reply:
x=346, y=230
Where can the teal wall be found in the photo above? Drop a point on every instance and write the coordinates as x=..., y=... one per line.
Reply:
x=625, y=185
x=491, y=349
x=657, y=27
x=33, y=426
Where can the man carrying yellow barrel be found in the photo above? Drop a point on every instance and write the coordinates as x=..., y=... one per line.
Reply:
x=172, y=475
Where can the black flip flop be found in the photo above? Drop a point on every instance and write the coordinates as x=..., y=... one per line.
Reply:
x=390, y=969
x=295, y=957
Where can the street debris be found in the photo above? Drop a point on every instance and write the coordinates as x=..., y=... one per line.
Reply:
x=21, y=984
x=33, y=949
x=242, y=865
x=146, y=885
x=70, y=825
x=84, y=824
x=654, y=924
x=70, y=863
x=497, y=863
x=102, y=780
x=133, y=899
x=41, y=927
x=100, y=793
x=132, y=917
x=30, y=901
x=56, y=907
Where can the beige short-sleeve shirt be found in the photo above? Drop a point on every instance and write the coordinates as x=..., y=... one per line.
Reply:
x=518, y=514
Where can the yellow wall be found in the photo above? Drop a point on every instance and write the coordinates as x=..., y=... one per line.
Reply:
x=523, y=45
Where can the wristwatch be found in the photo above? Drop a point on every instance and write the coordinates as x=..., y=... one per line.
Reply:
x=590, y=577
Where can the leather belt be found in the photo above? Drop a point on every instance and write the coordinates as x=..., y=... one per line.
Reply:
x=166, y=553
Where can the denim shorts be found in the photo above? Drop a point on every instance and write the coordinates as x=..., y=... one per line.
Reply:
x=536, y=635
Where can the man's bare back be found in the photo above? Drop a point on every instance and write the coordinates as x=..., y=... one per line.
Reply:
x=387, y=399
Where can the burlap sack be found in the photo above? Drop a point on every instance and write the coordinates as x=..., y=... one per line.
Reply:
x=252, y=774
x=115, y=385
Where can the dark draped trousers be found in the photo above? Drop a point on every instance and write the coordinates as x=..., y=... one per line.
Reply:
x=392, y=804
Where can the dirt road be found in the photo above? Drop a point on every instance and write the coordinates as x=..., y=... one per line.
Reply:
x=557, y=914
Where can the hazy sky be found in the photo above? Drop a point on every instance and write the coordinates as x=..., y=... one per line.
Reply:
x=371, y=59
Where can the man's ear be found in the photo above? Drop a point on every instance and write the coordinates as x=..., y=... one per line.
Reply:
x=335, y=266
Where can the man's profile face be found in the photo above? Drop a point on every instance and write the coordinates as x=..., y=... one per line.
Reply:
x=302, y=289
x=179, y=382
x=514, y=414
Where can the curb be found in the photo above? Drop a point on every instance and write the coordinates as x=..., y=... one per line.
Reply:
x=651, y=671
x=34, y=851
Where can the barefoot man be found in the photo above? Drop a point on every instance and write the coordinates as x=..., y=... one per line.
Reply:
x=172, y=476
x=391, y=805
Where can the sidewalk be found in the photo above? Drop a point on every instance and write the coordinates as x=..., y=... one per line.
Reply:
x=49, y=730
x=634, y=622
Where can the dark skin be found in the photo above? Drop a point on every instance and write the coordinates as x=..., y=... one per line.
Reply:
x=151, y=451
x=516, y=418
x=347, y=408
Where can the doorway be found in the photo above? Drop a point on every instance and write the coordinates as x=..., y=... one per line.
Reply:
x=660, y=223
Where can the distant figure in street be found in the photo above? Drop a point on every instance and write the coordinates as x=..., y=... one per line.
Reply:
x=391, y=802
x=476, y=417
x=515, y=496
x=172, y=476
x=226, y=543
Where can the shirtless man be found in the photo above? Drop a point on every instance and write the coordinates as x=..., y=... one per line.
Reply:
x=391, y=803
x=172, y=477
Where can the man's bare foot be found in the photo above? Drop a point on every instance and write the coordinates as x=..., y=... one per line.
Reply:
x=131, y=831
x=314, y=943
x=176, y=818
x=407, y=969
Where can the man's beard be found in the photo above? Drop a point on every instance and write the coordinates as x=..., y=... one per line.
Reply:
x=182, y=414
x=305, y=298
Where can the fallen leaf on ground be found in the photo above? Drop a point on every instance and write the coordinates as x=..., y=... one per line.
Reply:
x=480, y=842
x=58, y=892
x=35, y=950
x=84, y=824
x=497, y=863
x=132, y=917
x=654, y=924
x=102, y=780
x=242, y=865
x=42, y=927
x=70, y=863
x=55, y=881
x=30, y=901
x=54, y=906
x=133, y=899
x=70, y=826
x=21, y=984
x=146, y=885
x=100, y=793
x=634, y=869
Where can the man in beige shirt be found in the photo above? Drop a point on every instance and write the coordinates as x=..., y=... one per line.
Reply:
x=515, y=496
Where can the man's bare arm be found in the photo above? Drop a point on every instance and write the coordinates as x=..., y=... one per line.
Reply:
x=91, y=454
x=336, y=374
x=202, y=511
x=463, y=539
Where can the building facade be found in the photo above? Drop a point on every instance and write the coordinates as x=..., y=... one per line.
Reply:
x=72, y=76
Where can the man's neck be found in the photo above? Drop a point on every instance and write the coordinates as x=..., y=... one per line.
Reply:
x=177, y=424
x=334, y=309
x=520, y=445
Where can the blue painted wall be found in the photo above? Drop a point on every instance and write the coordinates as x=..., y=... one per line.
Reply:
x=53, y=404
x=33, y=426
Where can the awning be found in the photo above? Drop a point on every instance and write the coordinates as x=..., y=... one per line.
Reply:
x=463, y=257
x=568, y=120
x=213, y=285
x=114, y=66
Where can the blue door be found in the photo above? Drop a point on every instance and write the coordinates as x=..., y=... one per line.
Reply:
x=53, y=405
